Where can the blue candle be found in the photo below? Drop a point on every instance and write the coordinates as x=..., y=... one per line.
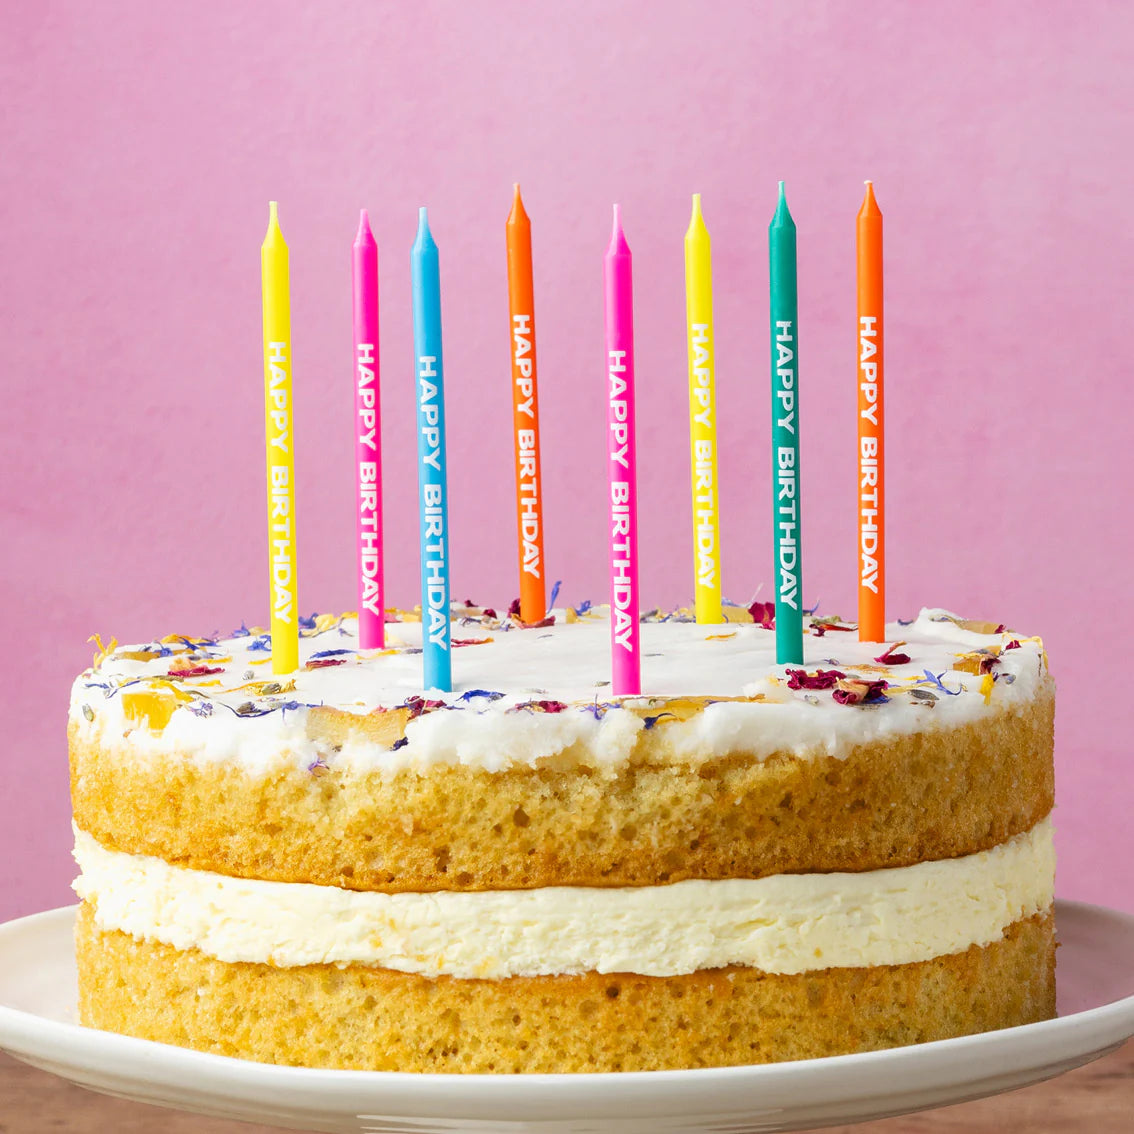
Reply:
x=433, y=490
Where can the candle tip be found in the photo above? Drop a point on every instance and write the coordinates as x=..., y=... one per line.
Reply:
x=517, y=214
x=782, y=217
x=424, y=236
x=364, y=234
x=696, y=204
x=618, y=245
x=273, y=212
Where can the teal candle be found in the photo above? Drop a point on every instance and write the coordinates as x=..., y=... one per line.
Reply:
x=785, y=435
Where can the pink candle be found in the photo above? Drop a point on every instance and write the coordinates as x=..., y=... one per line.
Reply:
x=626, y=666
x=368, y=440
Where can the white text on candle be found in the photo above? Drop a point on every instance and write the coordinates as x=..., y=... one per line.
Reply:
x=430, y=411
x=279, y=481
x=704, y=500
x=868, y=371
x=622, y=584
x=868, y=512
x=367, y=397
x=370, y=550
x=787, y=510
x=529, y=500
x=278, y=395
x=787, y=473
x=868, y=454
x=619, y=410
x=704, y=488
x=522, y=364
x=434, y=538
x=436, y=579
x=280, y=536
x=623, y=598
x=526, y=454
x=785, y=372
x=702, y=376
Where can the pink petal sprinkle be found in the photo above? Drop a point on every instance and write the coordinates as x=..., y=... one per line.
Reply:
x=196, y=671
x=820, y=679
x=764, y=614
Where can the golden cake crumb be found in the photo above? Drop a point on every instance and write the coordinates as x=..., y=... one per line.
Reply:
x=363, y=1018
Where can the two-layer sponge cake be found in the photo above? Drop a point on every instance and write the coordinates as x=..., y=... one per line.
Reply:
x=339, y=869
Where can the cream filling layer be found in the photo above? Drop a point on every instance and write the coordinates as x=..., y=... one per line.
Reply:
x=787, y=923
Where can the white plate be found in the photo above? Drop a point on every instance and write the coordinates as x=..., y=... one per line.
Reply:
x=1096, y=1004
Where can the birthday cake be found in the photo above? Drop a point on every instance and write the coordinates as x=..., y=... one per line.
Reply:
x=753, y=863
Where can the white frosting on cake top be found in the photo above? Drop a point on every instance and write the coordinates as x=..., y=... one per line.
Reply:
x=525, y=694
x=786, y=923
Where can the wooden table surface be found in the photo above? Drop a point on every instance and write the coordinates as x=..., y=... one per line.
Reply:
x=1098, y=1099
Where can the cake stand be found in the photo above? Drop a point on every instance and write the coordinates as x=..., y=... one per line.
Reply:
x=1096, y=1015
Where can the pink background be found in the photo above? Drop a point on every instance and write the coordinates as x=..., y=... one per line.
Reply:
x=143, y=143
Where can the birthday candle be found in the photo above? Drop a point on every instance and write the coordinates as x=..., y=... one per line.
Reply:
x=785, y=434
x=431, y=469
x=525, y=412
x=280, y=446
x=871, y=466
x=368, y=439
x=702, y=418
x=626, y=670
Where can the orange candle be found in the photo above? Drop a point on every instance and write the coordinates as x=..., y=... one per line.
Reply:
x=525, y=413
x=871, y=464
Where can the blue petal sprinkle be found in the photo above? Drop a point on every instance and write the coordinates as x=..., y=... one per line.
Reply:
x=261, y=644
x=935, y=680
x=554, y=593
x=475, y=694
x=399, y=744
x=331, y=653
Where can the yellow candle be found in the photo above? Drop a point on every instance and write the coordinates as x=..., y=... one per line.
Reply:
x=281, y=447
x=702, y=418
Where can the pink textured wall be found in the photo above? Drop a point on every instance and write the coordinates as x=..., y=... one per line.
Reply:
x=141, y=147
